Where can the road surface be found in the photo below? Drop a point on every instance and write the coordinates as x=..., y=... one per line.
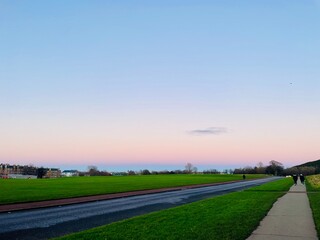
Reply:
x=57, y=221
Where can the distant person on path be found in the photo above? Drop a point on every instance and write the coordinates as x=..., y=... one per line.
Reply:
x=244, y=177
x=301, y=178
x=295, y=179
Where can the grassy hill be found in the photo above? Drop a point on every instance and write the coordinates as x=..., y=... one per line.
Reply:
x=315, y=164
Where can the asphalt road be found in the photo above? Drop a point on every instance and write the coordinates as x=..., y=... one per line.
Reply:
x=58, y=221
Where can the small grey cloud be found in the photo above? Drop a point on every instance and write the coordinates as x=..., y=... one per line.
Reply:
x=209, y=131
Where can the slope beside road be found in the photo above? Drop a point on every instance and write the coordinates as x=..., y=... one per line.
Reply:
x=58, y=221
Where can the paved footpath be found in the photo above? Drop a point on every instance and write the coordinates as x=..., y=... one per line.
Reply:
x=290, y=218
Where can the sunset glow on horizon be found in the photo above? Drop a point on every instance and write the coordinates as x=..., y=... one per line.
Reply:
x=220, y=84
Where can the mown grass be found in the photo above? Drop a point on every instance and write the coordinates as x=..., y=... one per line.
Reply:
x=232, y=216
x=313, y=187
x=29, y=190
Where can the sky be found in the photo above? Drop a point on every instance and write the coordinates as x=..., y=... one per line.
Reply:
x=156, y=84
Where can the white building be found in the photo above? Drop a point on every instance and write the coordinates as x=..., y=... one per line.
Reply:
x=70, y=173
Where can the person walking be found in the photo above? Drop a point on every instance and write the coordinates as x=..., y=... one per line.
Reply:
x=301, y=178
x=295, y=179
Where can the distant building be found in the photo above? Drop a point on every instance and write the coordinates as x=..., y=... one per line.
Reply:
x=52, y=173
x=18, y=171
x=70, y=173
x=21, y=176
x=6, y=170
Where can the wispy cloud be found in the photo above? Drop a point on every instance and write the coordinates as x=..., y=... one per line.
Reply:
x=208, y=131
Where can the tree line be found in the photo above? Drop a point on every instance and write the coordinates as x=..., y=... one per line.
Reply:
x=273, y=168
x=277, y=168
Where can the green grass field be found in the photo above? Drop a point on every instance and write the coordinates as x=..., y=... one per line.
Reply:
x=232, y=216
x=313, y=187
x=29, y=190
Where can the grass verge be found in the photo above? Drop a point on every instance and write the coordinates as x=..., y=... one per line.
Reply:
x=232, y=216
x=30, y=190
x=313, y=187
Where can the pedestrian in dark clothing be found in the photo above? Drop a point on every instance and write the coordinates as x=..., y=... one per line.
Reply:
x=295, y=179
x=301, y=178
x=244, y=177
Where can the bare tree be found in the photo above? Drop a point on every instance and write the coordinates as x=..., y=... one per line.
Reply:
x=41, y=172
x=93, y=170
x=92, y=167
x=275, y=163
x=145, y=172
x=189, y=168
x=29, y=170
x=194, y=169
x=260, y=165
x=131, y=172
x=260, y=168
x=276, y=168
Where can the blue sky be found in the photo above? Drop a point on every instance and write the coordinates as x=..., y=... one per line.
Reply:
x=124, y=83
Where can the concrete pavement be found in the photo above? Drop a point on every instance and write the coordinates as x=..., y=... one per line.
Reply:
x=290, y=218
